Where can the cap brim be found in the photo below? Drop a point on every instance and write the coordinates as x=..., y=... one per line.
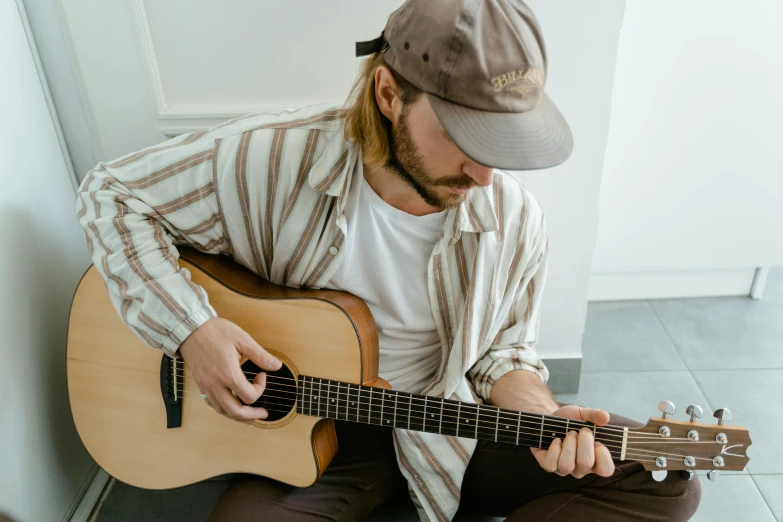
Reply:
x=535, y=139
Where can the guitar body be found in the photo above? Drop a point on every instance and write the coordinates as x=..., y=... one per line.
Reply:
x=114, y=381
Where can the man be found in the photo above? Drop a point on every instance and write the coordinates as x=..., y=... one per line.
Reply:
x=395, y=199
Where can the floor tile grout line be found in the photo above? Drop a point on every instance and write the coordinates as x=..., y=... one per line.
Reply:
x=763, y=497
x=668, y=334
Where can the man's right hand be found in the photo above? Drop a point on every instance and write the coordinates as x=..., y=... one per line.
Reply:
x=213, y=353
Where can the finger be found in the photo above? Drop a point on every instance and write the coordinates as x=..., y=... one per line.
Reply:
x=248, y=391
x=604, y=465
x=567, y=460
x=594, y=415
x=213, y=403
x=585, y=453
x=233, y=409
x=548, y=459
x=263, y=359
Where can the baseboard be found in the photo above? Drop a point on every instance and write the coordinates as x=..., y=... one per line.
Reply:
x=670, y=284
x=564, y=373
x=93, y=493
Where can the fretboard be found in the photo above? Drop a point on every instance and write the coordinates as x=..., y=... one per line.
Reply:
x=395, y=409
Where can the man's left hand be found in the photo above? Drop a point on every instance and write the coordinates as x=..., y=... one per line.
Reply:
x=578, y=454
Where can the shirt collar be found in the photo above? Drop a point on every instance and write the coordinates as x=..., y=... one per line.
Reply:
x=329, y=173
x=476, y=214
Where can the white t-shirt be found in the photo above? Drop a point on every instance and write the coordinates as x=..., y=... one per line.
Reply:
x=385, y=264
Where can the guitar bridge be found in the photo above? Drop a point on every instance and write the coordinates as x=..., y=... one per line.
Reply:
x=171, y=373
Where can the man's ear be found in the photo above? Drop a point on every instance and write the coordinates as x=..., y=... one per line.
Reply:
x=386, y=97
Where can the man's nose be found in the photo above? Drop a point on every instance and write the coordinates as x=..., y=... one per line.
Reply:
x=478, y=173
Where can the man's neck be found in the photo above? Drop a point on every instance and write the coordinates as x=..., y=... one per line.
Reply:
x=396, y=192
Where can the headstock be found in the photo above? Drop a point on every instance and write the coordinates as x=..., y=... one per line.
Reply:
x=665, y=444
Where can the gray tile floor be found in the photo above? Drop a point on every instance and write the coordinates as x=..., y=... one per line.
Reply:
x=713, y=351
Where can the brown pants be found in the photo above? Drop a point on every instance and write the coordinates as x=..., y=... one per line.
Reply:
x=501, y=480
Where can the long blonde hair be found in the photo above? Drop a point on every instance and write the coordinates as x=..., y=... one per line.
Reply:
x=364, y=122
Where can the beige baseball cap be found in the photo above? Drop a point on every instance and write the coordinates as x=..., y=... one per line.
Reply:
x=483, y=67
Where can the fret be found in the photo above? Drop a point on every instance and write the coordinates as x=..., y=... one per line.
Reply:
x=424, y=420
x=486, y=427
x=505, y=428
x=328, y=395
x=347, y=399
x=541, y=436
x=497, y=425
x=305, y=394
x=519, y=421
x=566, y=430
x=337, y=404
x=355, y=402
x=312, y=394
x=344, y=399
x=459, y=405
x=364, y=402
x=318, y=397
x=375, y=406
x=369, y=405
x=358, y=401
x=417, y=413
x=396, y=396
x=383, y=396
x=449, y=424
x=440, y=422
x=410, y=408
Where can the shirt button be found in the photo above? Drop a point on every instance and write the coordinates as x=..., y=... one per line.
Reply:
x=333, y=251
x=417, y=479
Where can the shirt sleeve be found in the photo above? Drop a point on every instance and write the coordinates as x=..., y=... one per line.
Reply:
x=514, y=348
x=134, y=211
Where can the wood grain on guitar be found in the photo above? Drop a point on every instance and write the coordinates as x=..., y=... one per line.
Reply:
x=329, y=346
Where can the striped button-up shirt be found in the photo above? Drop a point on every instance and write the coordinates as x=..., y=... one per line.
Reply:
x=270, y=190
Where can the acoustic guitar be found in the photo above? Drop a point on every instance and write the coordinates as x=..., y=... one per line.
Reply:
x=140, y=415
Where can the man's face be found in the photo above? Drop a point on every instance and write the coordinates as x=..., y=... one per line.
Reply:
x=422, y=154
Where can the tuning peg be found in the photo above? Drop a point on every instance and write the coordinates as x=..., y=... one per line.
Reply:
x=722, y=414
x=666, y=407
x=687, y=474
x=694, y=410
x=712, y=474
x=659, y=475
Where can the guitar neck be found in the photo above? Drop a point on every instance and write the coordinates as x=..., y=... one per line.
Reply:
x=395, y=409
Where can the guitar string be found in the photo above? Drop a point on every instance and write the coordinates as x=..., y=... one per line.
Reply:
x=550, y=419
x=531, y=433
x=614, y=450
x=606, y=427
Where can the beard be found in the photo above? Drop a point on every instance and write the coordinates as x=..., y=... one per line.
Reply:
x=405, y=161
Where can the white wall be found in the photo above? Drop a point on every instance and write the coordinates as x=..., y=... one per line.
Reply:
x=692, y=190
x=42, y=462
x=155, y=59
x=581, y=39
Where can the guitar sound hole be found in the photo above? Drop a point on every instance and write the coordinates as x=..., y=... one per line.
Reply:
x=279, y=397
